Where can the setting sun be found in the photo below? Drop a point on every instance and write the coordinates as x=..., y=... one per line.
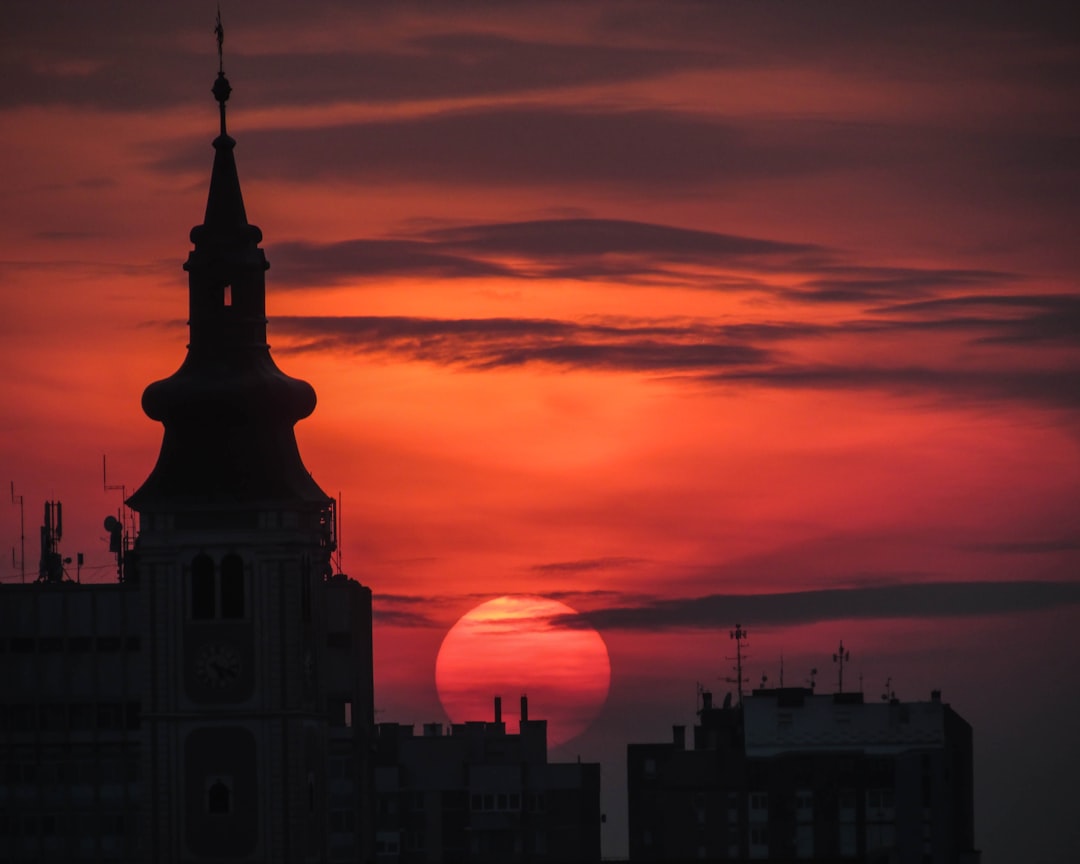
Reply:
x=522, y=645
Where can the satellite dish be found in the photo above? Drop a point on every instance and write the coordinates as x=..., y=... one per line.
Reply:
x=111, y=523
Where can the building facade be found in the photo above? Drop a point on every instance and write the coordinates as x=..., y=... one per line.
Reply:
x=481, y=794
x=791, y=775
x=216, y=703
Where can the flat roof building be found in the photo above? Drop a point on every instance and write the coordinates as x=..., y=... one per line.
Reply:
x=793, y=775
x=475, y=792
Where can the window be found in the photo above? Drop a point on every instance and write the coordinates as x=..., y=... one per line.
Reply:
x=232, y=586
x=227, y=296
x=339, y=639
x=110, y=715
x=219, y=797
x=388, y=843
x=202, y=587
x=133, y=710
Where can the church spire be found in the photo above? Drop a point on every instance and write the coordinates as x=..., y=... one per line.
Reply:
x=228, y=410
x=225, y=204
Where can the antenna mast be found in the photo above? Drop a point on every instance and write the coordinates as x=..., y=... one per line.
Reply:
x=337, y=533
x=839, y=657
x=117, y=528
x=22, y=535
x=738, y=634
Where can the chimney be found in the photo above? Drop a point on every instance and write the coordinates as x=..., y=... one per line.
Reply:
x=935, y=695
x=679, y=733
x=498, y=709
x=706, y=700
x=524, y=708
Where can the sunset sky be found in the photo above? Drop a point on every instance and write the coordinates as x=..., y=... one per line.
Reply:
x=682, y=314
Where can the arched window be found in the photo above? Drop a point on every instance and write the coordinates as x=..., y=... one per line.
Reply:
x=232, y=586
x=219, y=798
x=202, y=587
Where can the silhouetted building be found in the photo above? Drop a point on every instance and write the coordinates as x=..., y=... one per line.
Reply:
x=72, y=671
x=216, y=704
x=791, y=775
x=482, y=794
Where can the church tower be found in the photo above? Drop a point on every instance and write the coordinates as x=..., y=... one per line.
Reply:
x=234, y=547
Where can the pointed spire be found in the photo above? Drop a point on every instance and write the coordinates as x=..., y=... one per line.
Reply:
x=225, y=203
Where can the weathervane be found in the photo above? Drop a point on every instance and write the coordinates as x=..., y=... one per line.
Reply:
x=221, y=88
x=219, y=31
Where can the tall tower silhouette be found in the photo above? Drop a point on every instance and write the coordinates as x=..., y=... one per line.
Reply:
x=233, y=557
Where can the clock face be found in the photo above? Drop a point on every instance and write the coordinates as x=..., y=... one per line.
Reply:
x=218, y=665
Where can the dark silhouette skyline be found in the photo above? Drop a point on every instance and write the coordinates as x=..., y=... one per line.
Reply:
x=693, y=319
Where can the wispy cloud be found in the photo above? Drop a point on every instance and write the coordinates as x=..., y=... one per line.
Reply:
x=933, y=600
x=735, y=355
x=488, y=343
x=587, y=565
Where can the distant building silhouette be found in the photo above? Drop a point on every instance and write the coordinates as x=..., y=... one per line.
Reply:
x=792, y=775
x=216, y=703
x=480, y=793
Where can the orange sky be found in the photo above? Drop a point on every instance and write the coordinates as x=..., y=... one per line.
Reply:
x=669, y=311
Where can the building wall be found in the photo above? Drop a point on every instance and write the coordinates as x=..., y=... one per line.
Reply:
x=82, y=672
x=791, y=775
x=482, y=794
x=71, y=664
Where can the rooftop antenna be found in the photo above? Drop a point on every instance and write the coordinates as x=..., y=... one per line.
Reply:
x=781, y=668
x=889, y=693
x=840, y=657
x=337, y=533
x=811, y=682
x=739, y=635
x=117, y=527
x=51, y=564
x=22, y=535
